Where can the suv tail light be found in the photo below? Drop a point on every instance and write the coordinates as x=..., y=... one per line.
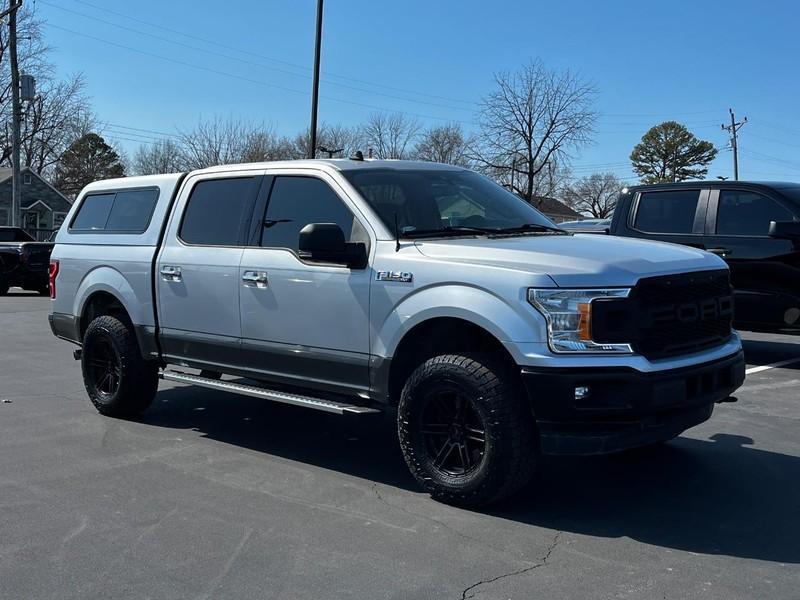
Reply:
x=53, y=273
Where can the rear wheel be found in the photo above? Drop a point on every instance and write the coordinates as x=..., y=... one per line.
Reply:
x=465, y=429
x=120, y=383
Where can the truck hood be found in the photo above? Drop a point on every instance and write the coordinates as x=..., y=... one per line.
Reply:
x=577, y=260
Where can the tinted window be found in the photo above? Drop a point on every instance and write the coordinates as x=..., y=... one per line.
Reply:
x=132, y=210
x=429, y=199
x=747, y=213
x=217, y=210
x=14, y=234
x=667, y=212
x=93, y=213
x=297, y=201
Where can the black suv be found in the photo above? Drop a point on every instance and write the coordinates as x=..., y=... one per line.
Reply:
x=755, y=227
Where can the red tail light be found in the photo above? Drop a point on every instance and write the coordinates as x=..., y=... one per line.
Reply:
x=53, y=273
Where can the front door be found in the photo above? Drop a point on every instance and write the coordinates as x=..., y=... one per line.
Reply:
x=765, y=271
x=197, y=274
x=303, y=323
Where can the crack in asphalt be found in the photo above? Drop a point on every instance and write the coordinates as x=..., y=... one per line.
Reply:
x=542, y=562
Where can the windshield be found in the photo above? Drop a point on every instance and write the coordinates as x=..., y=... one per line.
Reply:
x=444, y=202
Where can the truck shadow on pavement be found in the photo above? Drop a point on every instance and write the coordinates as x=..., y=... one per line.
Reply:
x=717, y=496
x=762, y=352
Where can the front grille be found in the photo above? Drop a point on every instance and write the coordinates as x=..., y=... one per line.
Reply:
x=670, y=315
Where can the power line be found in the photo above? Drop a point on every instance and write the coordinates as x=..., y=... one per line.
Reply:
x=268, y=58
x=252, y=63
x=255, y=81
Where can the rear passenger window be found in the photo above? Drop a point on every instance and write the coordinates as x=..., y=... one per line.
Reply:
x=217, y=211
x=747, y=213
x=667, y=212
x=126, y=211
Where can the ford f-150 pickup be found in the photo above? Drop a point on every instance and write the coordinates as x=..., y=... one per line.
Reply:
x=418, y=289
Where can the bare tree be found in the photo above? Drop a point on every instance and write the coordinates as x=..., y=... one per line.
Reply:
x=390, y=135
x=596, y=194
x=165, y=156
x=445, y=144
x=530, y=125
x=341, y=140
x=214, y=142
x=56, y=117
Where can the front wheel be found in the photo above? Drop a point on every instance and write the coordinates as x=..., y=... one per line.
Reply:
x=120, y=383
x=465, y=430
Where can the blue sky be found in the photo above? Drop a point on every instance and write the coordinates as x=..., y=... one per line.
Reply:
x=154, y=67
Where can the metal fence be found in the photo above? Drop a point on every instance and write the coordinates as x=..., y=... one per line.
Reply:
x=40, y=235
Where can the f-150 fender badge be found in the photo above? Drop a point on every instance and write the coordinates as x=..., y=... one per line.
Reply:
x=400, y=276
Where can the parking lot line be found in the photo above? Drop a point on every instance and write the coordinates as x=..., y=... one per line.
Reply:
x=780, y=363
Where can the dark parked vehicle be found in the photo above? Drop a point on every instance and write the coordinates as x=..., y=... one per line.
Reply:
x=24, y=262
x=755, y=227
x=587, y=226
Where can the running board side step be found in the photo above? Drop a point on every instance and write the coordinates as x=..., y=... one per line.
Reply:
x=331, y=406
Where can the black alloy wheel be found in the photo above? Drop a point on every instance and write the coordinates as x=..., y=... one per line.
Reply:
x=453, y=432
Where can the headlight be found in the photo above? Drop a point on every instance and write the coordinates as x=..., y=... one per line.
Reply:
x=569, y=318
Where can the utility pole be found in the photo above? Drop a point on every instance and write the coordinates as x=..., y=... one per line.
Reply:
x=315, y=91
x=16, y=190
x=733, y=128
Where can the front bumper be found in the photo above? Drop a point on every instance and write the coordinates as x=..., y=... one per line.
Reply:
x=625, y=408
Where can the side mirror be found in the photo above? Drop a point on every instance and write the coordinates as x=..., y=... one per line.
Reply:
x=787, y=230
x=324, y=242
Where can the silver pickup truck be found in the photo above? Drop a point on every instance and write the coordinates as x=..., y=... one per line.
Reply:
x=356, y=287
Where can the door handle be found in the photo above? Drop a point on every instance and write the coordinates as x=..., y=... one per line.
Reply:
x=169, y=273
x=723, y=252
x=256, y=279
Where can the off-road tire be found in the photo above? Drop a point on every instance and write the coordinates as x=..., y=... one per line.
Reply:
x=137, y=378
x=497, y=399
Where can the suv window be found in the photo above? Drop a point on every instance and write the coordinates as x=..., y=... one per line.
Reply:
x=297, y=201
x=743, y=212
x=217, y=211
x=123, y=211
x=667, y=212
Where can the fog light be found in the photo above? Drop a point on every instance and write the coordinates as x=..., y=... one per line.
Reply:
x=581, y=392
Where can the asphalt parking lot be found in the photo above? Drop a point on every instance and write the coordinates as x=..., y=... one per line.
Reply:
x=217, y=496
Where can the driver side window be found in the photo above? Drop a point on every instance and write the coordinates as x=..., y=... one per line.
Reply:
x=296, y=201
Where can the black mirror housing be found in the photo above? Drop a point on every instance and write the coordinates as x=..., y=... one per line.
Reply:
x=788, y=230
x=324, y=242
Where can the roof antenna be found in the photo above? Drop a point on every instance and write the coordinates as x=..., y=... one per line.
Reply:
x=359, y=155
x=396, y=234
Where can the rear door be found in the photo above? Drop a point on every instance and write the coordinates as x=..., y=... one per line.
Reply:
x=197, y=271
x=764, y=271
x=676, y=216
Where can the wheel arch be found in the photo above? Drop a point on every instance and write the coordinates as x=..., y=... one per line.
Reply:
x=436, y=336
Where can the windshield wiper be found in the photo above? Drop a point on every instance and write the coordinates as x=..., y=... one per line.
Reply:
x=449, y=230
x=530, y=227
